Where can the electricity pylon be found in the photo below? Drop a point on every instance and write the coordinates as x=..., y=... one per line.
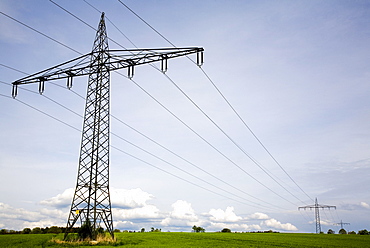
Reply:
x=316, y=206
x=91, y=203
x=341, y=223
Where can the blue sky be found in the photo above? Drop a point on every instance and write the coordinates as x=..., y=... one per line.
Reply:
x=295, y=71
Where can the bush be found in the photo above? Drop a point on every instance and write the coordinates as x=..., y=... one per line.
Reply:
x=36, y=230
x=226, y=230
x=330, y=231
x=342, y=231
x=85, y=231
x=54, y=229
x=363, y=232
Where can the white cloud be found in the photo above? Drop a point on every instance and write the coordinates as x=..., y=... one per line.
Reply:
x=183, y=210
x=120, y=198
x=61, y=200
x=181, y=215
x=129, y=198
x=220, y=215
x=278, y=225
x=365, y=205
x=258, y=216
x=145, y=212
x=19, y=218
x=125, y=225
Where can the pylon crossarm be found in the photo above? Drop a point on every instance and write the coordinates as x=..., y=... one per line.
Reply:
x=118, y=59
x=125, y=58
x=327, y=206
x=75, y=67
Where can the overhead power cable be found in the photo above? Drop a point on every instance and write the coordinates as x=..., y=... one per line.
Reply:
x=187, y=125
x=179, y=120
x=186, y=97
x=231, y=139
x=223, y=96
x=207, y=142
x=132, y=144
x=128, y=154
x=92, y=6
x=83, y=22
x=60, y=43
x=76, y=92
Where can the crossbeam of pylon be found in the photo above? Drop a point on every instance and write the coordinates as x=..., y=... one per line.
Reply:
x=118, y=59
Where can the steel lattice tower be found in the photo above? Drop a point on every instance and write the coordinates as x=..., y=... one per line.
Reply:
x=341, y=223
x=316, y=206
x=91, y=203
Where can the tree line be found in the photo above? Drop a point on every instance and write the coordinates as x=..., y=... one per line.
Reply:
x=56, y=230
x=39, y=230
x=342, y=231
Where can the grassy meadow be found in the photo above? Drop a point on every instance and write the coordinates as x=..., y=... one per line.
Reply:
x=172, y=239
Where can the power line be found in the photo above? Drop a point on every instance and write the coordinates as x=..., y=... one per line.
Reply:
x=14, y=69
x=60, y=43
x=207, y=142
x=126, y=124
x=132, y=144
x=228, y=103
x=83, y=21
x=79, y=115
x=254, y=135
x=253, y=160
x=146, y=23
x=191, y=163
x=174, y=116
x=92, y=6
x=231, y=139
x=65, y=123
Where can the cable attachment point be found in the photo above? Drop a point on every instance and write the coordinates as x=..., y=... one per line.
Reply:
x=200, y=58
x=14, y=90
x=69, y=79
x=130, y=70
x=41, y=85
x=164, y=63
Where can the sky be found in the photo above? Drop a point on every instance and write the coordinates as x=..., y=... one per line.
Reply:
x=281, y=104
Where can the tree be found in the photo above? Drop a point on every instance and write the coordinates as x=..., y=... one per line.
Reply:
x=142, y=230
x=85, y=231
x=26, y=230
x=342, y=231
x=116, y=230
x=352, y=232
x=330, y=231
x=54, y=229
x=363, y=232
x=36, y=230
x=226, y=230
x=198, y=229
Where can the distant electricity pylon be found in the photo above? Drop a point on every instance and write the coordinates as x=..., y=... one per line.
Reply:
x=316, y=206
x=91, y=202
x=341, y=223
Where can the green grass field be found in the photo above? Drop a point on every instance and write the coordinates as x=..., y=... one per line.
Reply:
x=170, y=239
